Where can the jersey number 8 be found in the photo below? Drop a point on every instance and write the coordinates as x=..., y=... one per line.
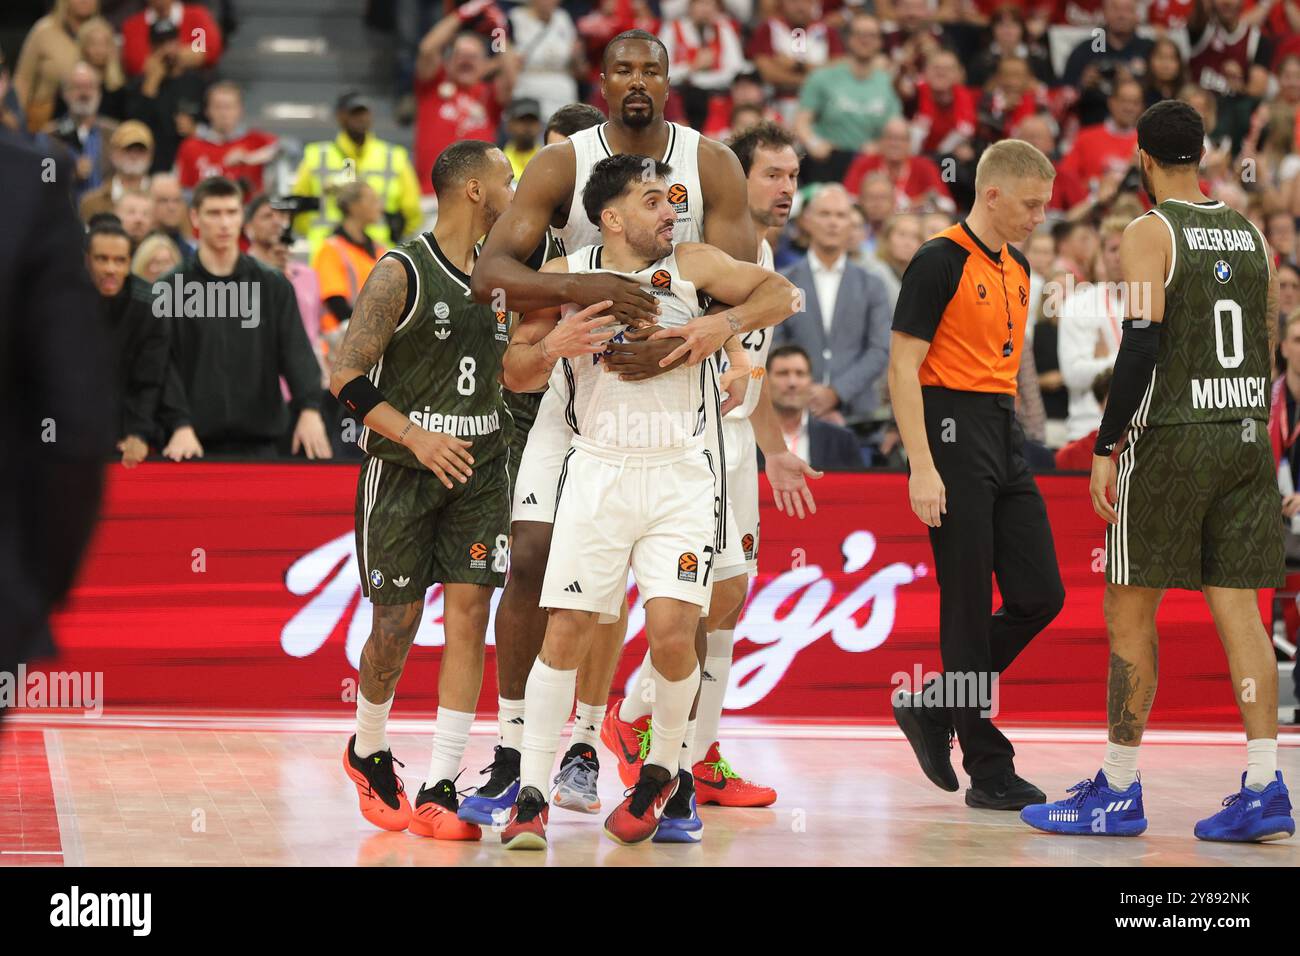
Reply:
x=465, y=381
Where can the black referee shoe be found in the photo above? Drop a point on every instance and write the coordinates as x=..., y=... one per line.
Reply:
x=930, y=733
x=1008, y=792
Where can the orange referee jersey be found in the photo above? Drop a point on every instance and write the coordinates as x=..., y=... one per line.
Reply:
x=970, y=303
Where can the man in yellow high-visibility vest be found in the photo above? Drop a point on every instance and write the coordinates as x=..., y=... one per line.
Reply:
x=357, y=155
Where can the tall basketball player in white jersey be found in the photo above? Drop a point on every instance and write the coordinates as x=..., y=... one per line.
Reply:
x=635, y=84
x=638, y=483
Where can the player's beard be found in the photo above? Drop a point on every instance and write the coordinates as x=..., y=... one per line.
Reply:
x=637, y=120
x=770, y=217
x=647, y=244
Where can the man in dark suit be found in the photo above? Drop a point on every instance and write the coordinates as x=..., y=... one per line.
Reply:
x=56, y=385
x=844, y=324
x=824, y=446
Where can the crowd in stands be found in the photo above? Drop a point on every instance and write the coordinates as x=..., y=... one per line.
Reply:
x=891, y=104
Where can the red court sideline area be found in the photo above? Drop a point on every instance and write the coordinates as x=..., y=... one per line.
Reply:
x=235, y=587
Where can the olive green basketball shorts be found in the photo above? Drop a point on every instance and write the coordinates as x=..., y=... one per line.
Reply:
x=1198, y=505
x=412, y=531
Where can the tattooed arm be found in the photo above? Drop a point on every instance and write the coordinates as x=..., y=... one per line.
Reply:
x=380, y=307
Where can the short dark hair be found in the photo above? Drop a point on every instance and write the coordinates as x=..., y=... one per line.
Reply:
x=100, y=218
x=457, y=163
x=767, y=135
x=214, y=187
x=783, y=351
x=104, y=226
x=1101, y=384
x=255, y=205
x=610, y=178
x=1171, y=132
x=642, y=35
x=570, y=119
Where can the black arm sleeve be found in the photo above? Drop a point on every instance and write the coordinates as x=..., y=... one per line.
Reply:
x=928, y=286
x=1133, y=367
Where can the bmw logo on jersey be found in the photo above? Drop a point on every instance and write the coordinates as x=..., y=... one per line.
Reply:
x=1222, y=271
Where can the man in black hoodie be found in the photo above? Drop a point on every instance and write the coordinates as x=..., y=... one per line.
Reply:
x=138, y=337
x=235, y=330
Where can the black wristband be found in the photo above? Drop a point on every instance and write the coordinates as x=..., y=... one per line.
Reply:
x=360, y=396
x=1133, y=367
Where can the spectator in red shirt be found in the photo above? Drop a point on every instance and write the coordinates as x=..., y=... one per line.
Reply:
x=915, y=37
x=1219, y=34
x=607, y=20
x=1110, y=145
x=787, y=47
x=916, y=179
x=1068, y=190
x=1170, y=14
x=705, y=56
x=1077, y=455
x=225, y=147
x=944, y=111
x=459, y=98
x=200, y=38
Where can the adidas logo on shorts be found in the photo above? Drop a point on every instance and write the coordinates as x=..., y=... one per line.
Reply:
x=531, y=499
x=574, y=588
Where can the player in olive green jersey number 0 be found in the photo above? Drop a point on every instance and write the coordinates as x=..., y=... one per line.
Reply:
x=420, y=367
x=1193, y=502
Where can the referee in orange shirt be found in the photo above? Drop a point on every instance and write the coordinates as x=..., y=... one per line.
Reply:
x=959, y=328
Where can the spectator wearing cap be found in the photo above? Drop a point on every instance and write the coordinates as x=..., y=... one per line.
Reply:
x=787, y=47
x=200, y=43
x=549, y=54
x=83, y=131
x=705, y=54
x=267, y=231
x=459, y=92
x=167, y=95
x=1109, y=146
x=224, y=146
x=1094, y=67
x=48, y=53
x=916, y=179
x=523, y=132
x=130, y=154
x=845, y=104
x=139, y=339
x=357, y=154
x=171, y=217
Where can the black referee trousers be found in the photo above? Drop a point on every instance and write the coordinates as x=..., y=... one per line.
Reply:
x=996, y=525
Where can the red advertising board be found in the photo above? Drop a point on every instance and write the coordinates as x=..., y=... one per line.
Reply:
x=234, y=586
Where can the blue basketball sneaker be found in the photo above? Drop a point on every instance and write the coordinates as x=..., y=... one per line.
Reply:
x=681, y=821
x=1251, y=816
x=496, y=796
x=1094, y=810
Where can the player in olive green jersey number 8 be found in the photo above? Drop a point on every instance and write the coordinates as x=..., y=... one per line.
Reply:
x=1195, y=499
x=420, y=367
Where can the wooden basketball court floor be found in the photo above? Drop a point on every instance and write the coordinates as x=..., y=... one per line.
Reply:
x=198, y=790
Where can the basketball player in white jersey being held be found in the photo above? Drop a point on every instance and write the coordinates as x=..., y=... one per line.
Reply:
x=638, y=484
x=635, y=85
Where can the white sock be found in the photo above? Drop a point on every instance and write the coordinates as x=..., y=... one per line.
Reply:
x=672, y=711
x=510, y=723
x=1261, y=762
x=640, y=700
x=688, y=746
x=450, y=735
x=372, y=719
x=586, y=724
x=548, y=698
x=1120, y=766
x=713, y=690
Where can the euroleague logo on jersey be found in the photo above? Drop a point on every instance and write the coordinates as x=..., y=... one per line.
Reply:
x=662, y=279
x=687, y=566
x=747, y=544
x=679, y=197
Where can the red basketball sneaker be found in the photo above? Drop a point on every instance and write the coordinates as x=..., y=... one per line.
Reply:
x=716, y=782
x=435, y=814
x=379, y=789
x=636, y=819
x=526, y=829
x=628, y=742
